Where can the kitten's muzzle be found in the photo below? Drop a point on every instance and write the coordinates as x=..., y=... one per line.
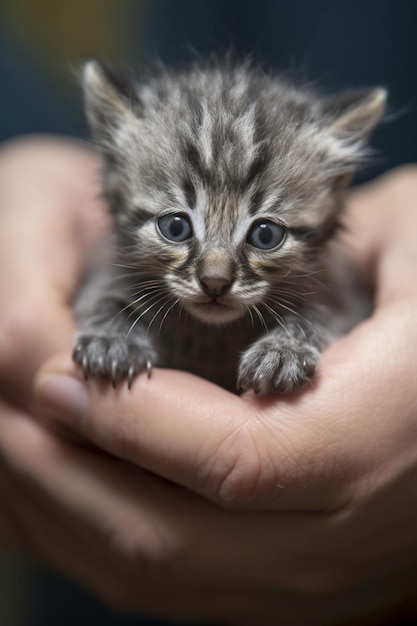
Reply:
x=215, y=286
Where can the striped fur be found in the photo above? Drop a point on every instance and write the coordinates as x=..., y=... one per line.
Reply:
x=227, y=147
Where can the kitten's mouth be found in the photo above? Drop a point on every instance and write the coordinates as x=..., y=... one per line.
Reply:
x=214, y=311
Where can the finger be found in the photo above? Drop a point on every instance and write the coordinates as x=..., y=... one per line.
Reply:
x=140, y=541
x=379, y=245
x=238, y=453
x=54, y=218
x=307, y=451
x=125, y=533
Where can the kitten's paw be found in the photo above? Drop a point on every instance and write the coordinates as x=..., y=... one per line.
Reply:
x=113, y=356
x=267, y=369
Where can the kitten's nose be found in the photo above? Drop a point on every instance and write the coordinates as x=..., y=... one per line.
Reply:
x=215, y=286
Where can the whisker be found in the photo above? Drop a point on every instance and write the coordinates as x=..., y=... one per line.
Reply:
x=292, y=311
x=284, y=306
x=261, y=317
x=142, y=314
x=151, y=295
x=277, y=317
x=156, y=314
x=248, y=309
x=133, y=303
x=166, y=314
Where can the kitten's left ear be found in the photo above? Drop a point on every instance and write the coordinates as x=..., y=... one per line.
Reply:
x=110, y=99
x=354, y=114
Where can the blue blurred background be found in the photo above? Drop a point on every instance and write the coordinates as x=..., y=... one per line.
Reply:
x=350, y=43
x=339, y=43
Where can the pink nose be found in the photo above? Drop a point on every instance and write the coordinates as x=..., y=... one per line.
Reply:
x=215, y=286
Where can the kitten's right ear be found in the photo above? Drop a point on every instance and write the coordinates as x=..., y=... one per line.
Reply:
x=110, y=99
x=351, y=116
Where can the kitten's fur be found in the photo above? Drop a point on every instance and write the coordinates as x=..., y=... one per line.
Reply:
x=241, y=159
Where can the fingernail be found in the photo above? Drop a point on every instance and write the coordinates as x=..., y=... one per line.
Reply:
x=63, y=397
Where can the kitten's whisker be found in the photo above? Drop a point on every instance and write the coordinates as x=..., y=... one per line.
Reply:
x=149, y=289
x=166, y=314
x=149, y=283
x=152, y=296
x=161, y=308
x=309, y=273
x=284, y=306
x=277, y=317
x=130, y=267
x=150, y=307
x=248, y=309
x=292, y=311
x=286, y=296
x=287, y=308
x=132, y=304
x=261, y=317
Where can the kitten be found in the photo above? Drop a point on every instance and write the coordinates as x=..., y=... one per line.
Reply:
x=226, y=187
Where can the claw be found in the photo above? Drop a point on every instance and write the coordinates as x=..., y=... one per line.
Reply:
x=241, y=383
x=114, y=378
x=85, y=366
x=149, y=366
x=130, y=376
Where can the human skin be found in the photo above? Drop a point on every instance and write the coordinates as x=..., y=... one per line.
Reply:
x=177, y=497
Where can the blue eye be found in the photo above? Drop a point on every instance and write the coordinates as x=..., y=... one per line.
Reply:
x=266, y=235
x=175, y=227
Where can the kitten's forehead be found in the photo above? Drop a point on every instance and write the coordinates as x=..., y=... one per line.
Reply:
x=219, y=217
x=224, y=146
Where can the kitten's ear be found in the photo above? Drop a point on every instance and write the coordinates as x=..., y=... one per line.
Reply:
x=353, y=114
x=110, y=98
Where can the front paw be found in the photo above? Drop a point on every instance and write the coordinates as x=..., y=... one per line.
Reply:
x=267, y=368
x=112, y=356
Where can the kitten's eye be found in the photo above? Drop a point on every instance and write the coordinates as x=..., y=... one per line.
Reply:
x=266, y=235
x=175, y=227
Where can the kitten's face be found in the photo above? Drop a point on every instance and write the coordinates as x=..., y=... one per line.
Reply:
x=219, y=261
x=223, y=253
x=225, y=183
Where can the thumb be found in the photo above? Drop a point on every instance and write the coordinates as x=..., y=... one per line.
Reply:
x=189, y=431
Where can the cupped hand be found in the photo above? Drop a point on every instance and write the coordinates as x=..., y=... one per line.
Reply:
x=50, y=216
x=205, y=505
x=306, y=496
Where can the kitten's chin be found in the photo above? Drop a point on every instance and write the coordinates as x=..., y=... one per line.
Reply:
x=214, y=313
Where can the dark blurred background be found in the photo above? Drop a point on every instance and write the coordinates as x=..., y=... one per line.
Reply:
x=339, y=43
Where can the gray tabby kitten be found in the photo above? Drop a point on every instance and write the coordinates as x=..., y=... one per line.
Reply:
x=225, y=187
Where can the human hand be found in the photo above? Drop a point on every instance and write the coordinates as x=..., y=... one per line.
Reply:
x=46, y=231
x=71, y=505
x=298, y=507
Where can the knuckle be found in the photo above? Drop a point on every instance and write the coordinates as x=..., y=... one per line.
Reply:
x=143, y=560
x=17, y=355
x=137, y=548
x=242, y=477
x=257, y=467
x=19, y=330
x=15, y=332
